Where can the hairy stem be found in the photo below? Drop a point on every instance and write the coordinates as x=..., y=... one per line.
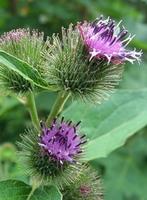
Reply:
x=58, y=106
x=32, y=109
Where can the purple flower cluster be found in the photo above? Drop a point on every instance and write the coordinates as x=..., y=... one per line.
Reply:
x=61, y=141
x=14, y=35
x=105, y=39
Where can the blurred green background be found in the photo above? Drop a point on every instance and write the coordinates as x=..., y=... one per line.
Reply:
x=124, y=172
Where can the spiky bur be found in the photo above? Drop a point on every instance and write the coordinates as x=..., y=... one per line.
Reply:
x=53, y=155
x=12, y=82
x=28, y=46
x=86, y=187
x=69, y=67
x=72, y=65
x=25, y=44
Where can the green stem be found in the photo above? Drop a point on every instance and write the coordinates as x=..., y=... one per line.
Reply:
x=58, y=106
x=32, y=109
x=35, y=184
x=31, y=193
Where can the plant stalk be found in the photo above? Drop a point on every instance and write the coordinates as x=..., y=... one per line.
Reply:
x=31, y=193
x=33, y=110
x=35, y=184
x=58, y=106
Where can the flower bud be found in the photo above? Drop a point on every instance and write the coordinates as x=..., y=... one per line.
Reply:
x=28, y=46
x=87, y=187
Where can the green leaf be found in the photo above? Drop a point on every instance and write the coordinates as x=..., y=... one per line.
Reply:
x=47, y=193
x=110, y=124
x=24, y=69
x=128, y=164
x=17, y=190
x=14, y=190
x=134, y=73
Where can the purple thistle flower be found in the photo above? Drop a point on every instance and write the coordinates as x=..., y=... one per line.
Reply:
x=61, y=141
x=14, y=35
x=105, y=39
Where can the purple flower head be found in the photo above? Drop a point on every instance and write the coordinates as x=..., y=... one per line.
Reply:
x=14, y=35
x=105, y=39
x=61, y=141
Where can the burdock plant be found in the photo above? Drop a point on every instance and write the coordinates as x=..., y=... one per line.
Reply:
x=85, y=63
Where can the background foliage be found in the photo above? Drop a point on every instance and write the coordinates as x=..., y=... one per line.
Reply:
x=124, y=171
